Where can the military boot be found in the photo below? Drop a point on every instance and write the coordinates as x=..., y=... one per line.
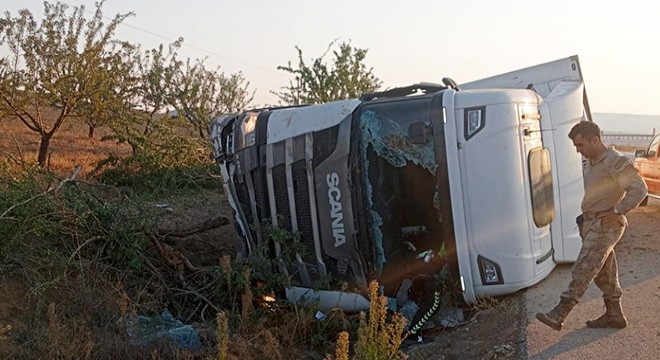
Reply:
x=613, y=317
x=555, y=318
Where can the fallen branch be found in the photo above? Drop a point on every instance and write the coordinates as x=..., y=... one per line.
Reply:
x=101, y=185
x=188, y=290
x=179, y=262
x=92, y=239
x=75, y=252
x=71, y=178
x=197, y=228
x=18, y=148
x=51, y=188
x=172, y=257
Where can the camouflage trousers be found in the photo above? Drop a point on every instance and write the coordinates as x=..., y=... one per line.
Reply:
x=597, y=260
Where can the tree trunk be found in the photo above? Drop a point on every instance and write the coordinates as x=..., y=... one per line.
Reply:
x=90, y=132
x=43, y=149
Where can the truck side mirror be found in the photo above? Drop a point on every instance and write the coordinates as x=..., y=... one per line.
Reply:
x=640, y=153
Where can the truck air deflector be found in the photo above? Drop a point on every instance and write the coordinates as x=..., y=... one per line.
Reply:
x=292, y=122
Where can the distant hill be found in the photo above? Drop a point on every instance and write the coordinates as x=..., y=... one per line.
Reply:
x=627, y=123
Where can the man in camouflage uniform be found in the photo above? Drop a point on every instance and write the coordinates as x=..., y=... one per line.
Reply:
x=613, y=187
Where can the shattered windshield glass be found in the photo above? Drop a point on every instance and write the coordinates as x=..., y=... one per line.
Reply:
x=391, y=142
x=398, y=158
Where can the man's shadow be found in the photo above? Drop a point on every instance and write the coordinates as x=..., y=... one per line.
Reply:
x=574, y=340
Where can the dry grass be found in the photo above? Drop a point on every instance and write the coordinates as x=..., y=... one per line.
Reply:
x=342, y=346
x=85, y=318
x=73, y=316
x=222, y=335
x=483, y=304
x=69, y=147
x=380, y=337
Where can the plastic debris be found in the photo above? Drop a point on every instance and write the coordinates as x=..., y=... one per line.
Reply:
x=146, y=330
x=320, y=316
x=391, y=304
x=449, y=317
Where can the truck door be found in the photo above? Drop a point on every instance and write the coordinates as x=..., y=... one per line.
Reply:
x=500, y=182
x=565, y=104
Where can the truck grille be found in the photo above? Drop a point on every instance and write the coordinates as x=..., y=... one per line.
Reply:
x=303, y=211
x=243, y=198
x=281, y=198
x=278, y=188
x=261, y=194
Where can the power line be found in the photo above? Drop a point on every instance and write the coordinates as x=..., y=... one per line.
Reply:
x=184, y=43
x=201, y=49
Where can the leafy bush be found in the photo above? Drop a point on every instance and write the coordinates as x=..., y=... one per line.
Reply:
x=44, y=219
x=160, y=181
x=167, y=158
x=84, y=253
x=68, y=249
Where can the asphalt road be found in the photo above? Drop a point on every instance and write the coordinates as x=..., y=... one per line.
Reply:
x=638, y=255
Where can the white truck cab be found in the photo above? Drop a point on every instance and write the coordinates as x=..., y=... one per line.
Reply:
x=479, y=181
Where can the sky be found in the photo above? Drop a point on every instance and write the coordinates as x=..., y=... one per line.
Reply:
x=618, y=42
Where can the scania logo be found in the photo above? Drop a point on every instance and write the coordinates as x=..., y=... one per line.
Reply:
x=336, y=213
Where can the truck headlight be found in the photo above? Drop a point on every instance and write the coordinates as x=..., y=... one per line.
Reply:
x=491, y=274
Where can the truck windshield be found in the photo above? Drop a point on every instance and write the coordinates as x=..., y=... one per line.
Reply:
x=397, y=155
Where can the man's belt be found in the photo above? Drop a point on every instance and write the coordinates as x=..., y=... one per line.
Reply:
x=588, y=216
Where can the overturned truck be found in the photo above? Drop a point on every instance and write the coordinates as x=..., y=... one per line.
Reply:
x=478, y=179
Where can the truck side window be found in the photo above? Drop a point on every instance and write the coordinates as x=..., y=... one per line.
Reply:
x=540, y=181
